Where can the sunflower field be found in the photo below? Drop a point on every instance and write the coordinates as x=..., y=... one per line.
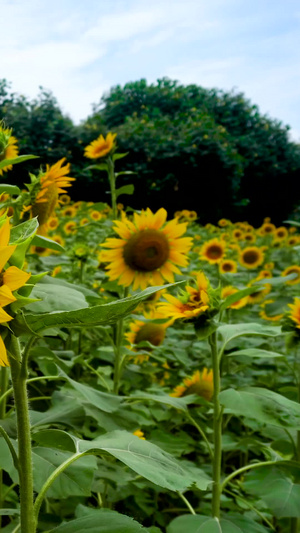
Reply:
x=150, y=373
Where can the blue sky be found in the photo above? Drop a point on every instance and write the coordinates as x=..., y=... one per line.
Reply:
x=79, y=49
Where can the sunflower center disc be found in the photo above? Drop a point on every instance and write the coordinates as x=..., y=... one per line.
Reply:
x=214, y=252
x=154, y=333
x=147, y=250
x=250, y=257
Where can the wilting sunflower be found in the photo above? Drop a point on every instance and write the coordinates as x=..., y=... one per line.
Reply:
x=295, y=312
x=228, y=291
x=100, y=147
x=251, y=257
x=8, y=147
x=264, y=312
x=192, y=302
x=213, y=251
x=51, y=184
x=228, y=265
x=200, y=383
x=148, y=251
x=294, y=269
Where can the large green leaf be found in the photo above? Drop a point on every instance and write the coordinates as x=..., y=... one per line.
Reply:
x=147, y=459
x=262, y=404
x=206, y=524
x=278, y=491
x=21, y=232
x=126, y=189
x=45, y=242
x=231, y=331
x=101, y=400
x=256, y=353
x=93, y=316
x=56, y=298
x=235, y=297
x=9, y=189
x=279, y=280
x=76, y=480
x=101, y=521
x=16, y=160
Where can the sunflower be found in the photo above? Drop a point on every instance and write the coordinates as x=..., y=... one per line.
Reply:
x=200, y=383
x=8, y=147
x=281, y=233
x=266, y=229
x=295, y=312
x=100, y=147
x=259, y=295
x=192, y=302
x=84, y=221
x=52, y=223
x=65, y=199
x=96, y=215
x=11, y=280
x=292, y=241
x=294, y=269
x=69, y=227
x=228, y=265
x=263, y=313
x=69, y=211
x=148, y=251
x=51, y=184
x=237, y=234
x=223, y=222
x=251, y=257
x=152, y=332
x=249, y=237
x=58, y=239
x=213, y=251
x=228, y=291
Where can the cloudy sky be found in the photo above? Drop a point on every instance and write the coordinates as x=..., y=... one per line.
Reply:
x=79, y=49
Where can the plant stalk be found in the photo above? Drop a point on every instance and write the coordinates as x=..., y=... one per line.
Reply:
x=19, y=377
x=217, y=429
x=112, y=183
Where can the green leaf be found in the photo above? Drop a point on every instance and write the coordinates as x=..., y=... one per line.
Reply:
x=101, y=400
x=147, y=459
x=100, y=166
x=22, y=232
x=9, y=189
x=205, y=524
x=237, y=296
x=101, y=521
x=255, y=352
x=177, y=403
x=44, y=242
x=281, y=495
x=126, y=172
x=76, y=480
x=55, y=438
x=115, y=157
x=279, y=280
x=262, y=404
x=126, y=189
x=231, y=331
x=56, y=298
x=93, y=316
x=293, y=222
x=16, y=160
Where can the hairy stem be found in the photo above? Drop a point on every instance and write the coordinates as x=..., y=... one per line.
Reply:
x=19, y=376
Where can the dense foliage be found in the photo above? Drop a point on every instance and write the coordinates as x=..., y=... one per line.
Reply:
x=186, y=144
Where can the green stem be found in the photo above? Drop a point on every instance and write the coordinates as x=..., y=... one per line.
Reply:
x=19, y=376
x=3, y=389
x=52, y=478
x=118, y=351
x=187, y=503
x=245, y=469
x=246, y=502
x=31, y=380
x=11, y=448
x=112, y=183
x=198, y=427
x=217, y=429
